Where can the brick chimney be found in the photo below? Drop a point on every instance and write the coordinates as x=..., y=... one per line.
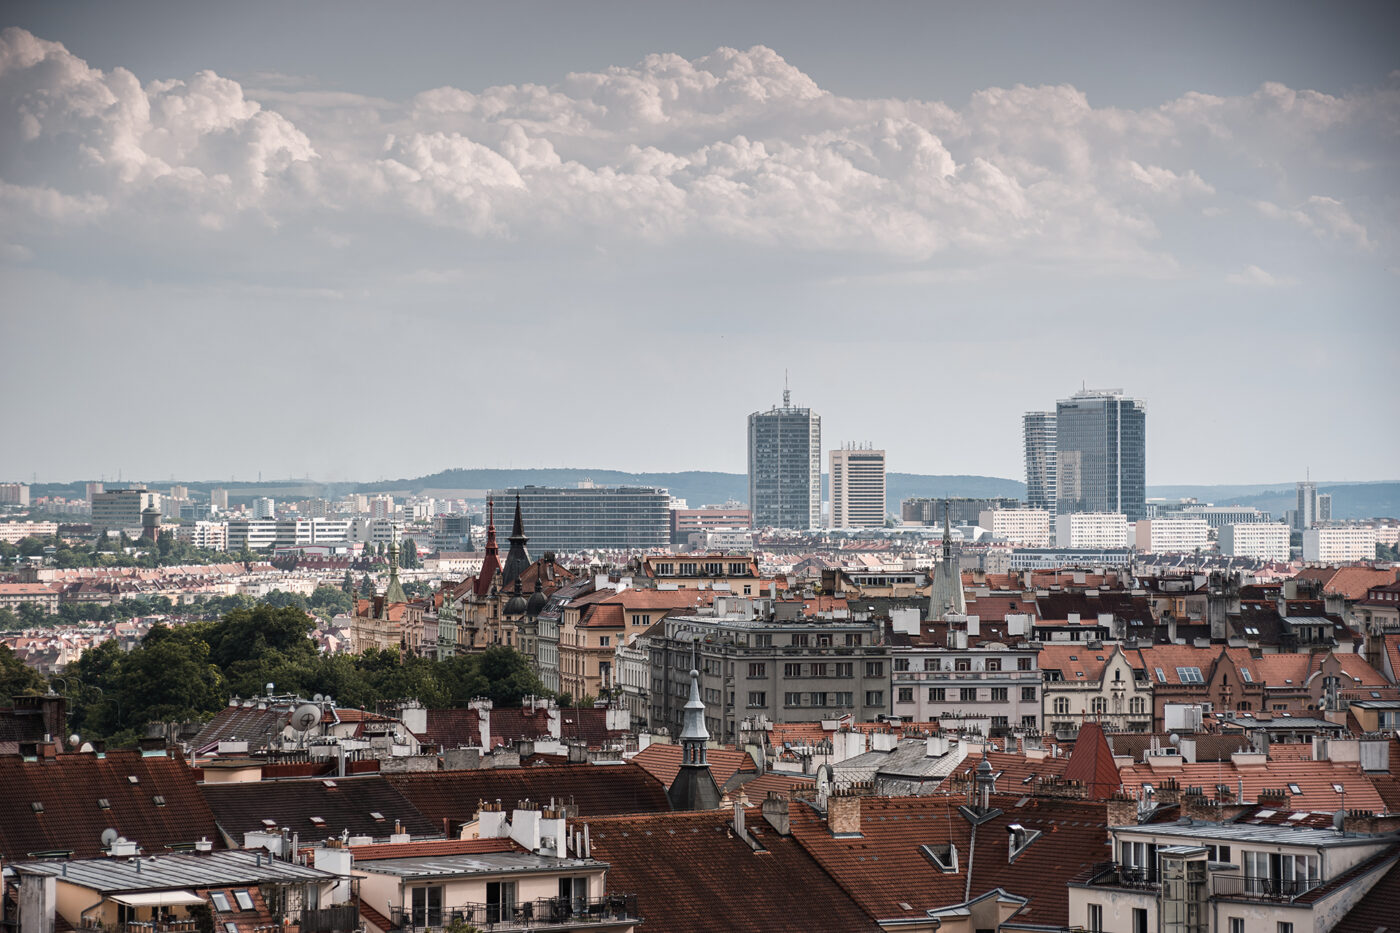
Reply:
x=843, y=813
x=1121, y=810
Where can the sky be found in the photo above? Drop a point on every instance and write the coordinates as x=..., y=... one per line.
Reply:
x=354, y=240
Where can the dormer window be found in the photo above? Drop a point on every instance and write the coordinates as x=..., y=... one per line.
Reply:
x=944, y=857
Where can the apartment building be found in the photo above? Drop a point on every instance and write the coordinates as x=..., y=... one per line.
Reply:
x=1259, y=540
x=121, y=508
x=1091, y=530
x=935, y=683
x=1339, y=543
x=1020, y=527
x=211, y=536
x=16, y=494
x=1093, y=682
x=592, y=517
x=1171, y=535
x=13, y=532
x=752, y=665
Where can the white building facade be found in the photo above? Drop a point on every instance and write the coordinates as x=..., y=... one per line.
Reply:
x=1339, y=543
x=1091, y=530
x=1172, y=535
x=1258, y=540
x=857, y=488
x=1021, y=527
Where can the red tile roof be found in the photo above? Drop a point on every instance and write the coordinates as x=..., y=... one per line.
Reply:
x=664, y=762
x=1350, y=582
x=693, y=875
x=341, y=804
x=1313, y=778
x=437, y=847
x=1091, y=763
x=69, y=788
x=596, y=790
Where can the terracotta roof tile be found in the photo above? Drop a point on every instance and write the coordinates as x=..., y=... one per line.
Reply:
x=664, y=762
x=341, y=804
x=596, y=790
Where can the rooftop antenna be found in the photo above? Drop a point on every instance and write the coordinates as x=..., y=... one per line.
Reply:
x=787, y=395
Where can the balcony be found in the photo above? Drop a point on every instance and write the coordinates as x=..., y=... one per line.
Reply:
x=1239, y=887
x=1115, y=875
x=551, y=913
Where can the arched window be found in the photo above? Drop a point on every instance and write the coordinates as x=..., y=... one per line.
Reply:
x=1098, y=706
x=1062, y=706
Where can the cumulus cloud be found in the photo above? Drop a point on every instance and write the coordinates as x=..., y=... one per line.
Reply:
x=739, y=145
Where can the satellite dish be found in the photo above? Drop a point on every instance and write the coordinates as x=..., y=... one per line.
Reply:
x=824, y=780
x=305, y=716
x=318, y=698
x=73, y=740
x=109, y=836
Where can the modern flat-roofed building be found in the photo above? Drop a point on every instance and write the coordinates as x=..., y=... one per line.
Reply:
x=14, y=494
x=1091, y=530
x=1339, y=543
x=1171, y=535
x=752, y=665
x=1023, y=527
x=1038, y=430
x=961, y=511
x=1057, y=557
x=211, y=536
x=1101, y=454
x=591, y=517
x=857, y=488
x=13, y=532
x=785, y=467
x=1218, y=516
x=256, y=534
x=121, y=508
x=685, y=522
x=1259, y=540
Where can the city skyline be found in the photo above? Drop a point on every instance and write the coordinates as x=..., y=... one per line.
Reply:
x=255, y=240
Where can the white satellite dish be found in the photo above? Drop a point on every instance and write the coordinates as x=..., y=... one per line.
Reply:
x=305, y=716
x=318, y=698
x=109, y=836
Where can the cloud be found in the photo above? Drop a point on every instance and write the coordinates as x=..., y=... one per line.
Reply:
x=738, y=145
x=1255, y=276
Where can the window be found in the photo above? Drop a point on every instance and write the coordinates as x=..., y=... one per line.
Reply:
x=1139, y=920
x=1095, y=918
x=500, y=901
x=933, y=664
x=1236, y=925
x=640, y=619
x=937, y=695
x=845, y=669
x=906, y=695
x=762, y=640
x=1023, y=664
x=1161, y=676
x=844, y=699
x=220, y=900
x=792, y=699
x=901, y=664
x=245, y=900
x=854, y=639
x=1098, y=706
x=993, y=664
x=1030, y=722
x=758, y=698
x=1285, y=927
x=1190, y=675
x=818, y=670
x=874, y=668
x=574, y=891
x=968, y=694
x=962, y=664
x=1137, y=706
x=818, y=698
x=799, y=641
x=1062, y=706
x=874, y=698
x=792, y=670
x=1140, y=860
x=999, y=694
x=604, y=641
x=1028, y=694
x=758, y=669
x=1000, y=722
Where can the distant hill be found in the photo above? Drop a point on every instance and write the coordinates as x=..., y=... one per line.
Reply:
x=1349, y=500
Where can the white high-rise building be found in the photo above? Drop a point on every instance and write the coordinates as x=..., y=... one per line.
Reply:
x=211, y=536
x=1021, y=527
x=857, y=487
x=264, y=507
x=1039, y=435
x=1091, y=530
x=1339, y=543
x=1313, y=506
x=1172, y=535
x=1259, y=540
x=785, y=467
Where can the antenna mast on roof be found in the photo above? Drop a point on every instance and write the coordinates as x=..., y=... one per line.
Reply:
x=787, y=395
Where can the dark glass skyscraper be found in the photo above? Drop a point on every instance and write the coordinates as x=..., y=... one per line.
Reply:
x=1040, y=460
x=785, y=467
x=1101, y=454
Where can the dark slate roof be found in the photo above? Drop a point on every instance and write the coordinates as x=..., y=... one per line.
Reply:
x=251, y=724
x=69, y=787
x=684, y=867
x=1376, y=910
x=453, y=728
x=347, y=803
x=596, y=790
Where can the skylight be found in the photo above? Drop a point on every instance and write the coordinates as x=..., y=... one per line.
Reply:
x=1294, y=789
x=1190, y=675
x=1248, y=677
x=1161, y=676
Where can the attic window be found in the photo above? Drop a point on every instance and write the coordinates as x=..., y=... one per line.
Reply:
x=317, y=821
x=1190, y=675
x=944, y=857
x=1074, y=657
x=1161, y=677
x=1246, y=675
x=329, y=783
x=1294, y=789
x=230, y=927
x=1078, y=673
x=1028, y=778
x=1018, y=839
x=270, y=824
x=245, y=902
x=376, y=816
x=220, y=900
x=133, y=779
x=37, y=807
x=103, y=803
x=158, y=800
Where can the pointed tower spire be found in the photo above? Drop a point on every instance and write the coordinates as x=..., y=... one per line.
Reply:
x=947, y=531
x=694, y=787
x=518, y=560
x=394, y=593
x=491, y=562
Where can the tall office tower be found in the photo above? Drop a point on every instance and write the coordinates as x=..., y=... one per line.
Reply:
x=264, y=507
x=785, y=467
x=857, y=487
x=218, y=500
x=1313, y=507
x=1039, y=433
x=1101, y=454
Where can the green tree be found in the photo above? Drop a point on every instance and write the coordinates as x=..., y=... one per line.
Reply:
x=16, y=677
x=32, y=615
x=9, y=622
x=329, y=600
x=366, y=587
x=347, y=586
x=408, y=554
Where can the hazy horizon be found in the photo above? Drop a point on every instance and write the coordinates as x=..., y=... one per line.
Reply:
x=351, y=241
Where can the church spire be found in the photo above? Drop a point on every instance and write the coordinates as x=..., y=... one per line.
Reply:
x=491, y=562
x=694, y=788
x=394, y=593
x=518, y=560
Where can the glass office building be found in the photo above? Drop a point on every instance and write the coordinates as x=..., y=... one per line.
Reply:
x=592, y=517
x=785, y=467
x=1101, y=454
x=1040, y=460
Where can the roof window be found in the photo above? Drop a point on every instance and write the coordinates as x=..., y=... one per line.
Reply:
x=944, y=857
x=376, y=816
x=245, y=901
x=158, y=800
x=1294, y=789
x=103, y=803
x=37, y=807
x=133, y=779
x=220, y=900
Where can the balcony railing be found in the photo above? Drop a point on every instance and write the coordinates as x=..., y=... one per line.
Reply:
x=543, y=914
x=1262, y=889
x=1115, y=875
